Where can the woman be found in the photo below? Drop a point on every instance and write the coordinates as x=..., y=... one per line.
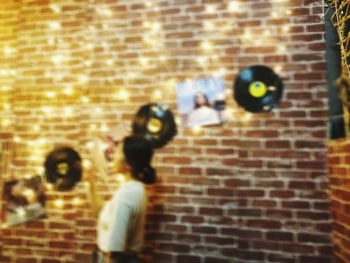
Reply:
x=121, y=220
x=203, y=113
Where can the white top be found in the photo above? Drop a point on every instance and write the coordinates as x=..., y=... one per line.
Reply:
x=121, y=222
x=203, y=116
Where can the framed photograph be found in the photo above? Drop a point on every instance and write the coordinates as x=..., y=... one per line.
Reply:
x=201, y=102
x=23, y=200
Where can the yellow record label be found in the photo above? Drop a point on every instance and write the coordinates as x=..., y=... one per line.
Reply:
x=257, y=89
x=154, y=125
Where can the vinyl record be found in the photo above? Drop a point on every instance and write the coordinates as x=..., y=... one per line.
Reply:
x=258, y=89
x=155, y=122
x=63, y=168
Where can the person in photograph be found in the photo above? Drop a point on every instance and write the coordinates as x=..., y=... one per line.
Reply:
x=120, y=223
x=203, y=113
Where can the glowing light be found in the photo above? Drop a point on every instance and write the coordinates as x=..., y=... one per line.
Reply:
x=6, y=123
x=178, y=121
x=289, y=12
x=40, y=170
x=68, y=111
x=56, y=8
x=83, y=79
x=68, y=91
x=208, y=25
x=234, y=6
x=155, y=26
x=197, y=129
x=157, y=95
x=98, y=110
x=120, y=178
x=247, y=117
x=77, y=201
x=8, y=51
x=41, y=141
x=278, y=69
x=51, y=94
x=49, y=186
x=17, y=139
x=104, y=128
x=282, y=48
x=285, y=28
x=131, y=75
x=109, y=62
x=274, y=14
x=143, y=61
x=85, y=99
x=93, y=127
x=21, y=212
x=47, y=109
x=57, y=59
x=6, y=106
x=206, y=45
x=87, y=164
x=220, y=73
x=267, y=32
x=162, y=58
x=202, y=60
x=54, y=25
x=90, y=145
x=5, y=88
x=59, y=203
x=104, y=11
x=210, y=9
x=36, y=128
x=29, y=193
x=247, y=35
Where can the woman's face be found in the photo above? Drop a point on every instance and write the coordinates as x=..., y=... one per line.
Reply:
x=200, y=99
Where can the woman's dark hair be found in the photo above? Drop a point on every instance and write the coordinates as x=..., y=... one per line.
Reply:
x=138, y=153
x=197, y=104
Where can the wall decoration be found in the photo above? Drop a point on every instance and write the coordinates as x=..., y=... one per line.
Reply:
x=23, y=200
x=63, y=168
x=201, y=102
x=156, y=122
x=258, y=89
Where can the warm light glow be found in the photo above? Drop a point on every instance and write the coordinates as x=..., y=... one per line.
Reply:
x=68, y=91
x=41, y=141
x=282, y=48
x=20, y=212
x=56, y=8
x=274, y=14
x=98, y=110
x=234, y=6
x=247, y=117
x=120, y=178
x=278, y=69
x=6, y=106
x=210, y=9
x=143, y=61
x=57, y=59
x=17, y=139
x=208, y=25
x=157, y=95
x=87, y=164
x=47, y=110
x=104, y=128
x=206, y=45
x=51, y=94
x=85, y=99
x=155, y=26
x=178, y=121
x=104, y=11
x=54, y=25
x=93, y=127
x=90, y=145
x=83, y=79
x=49, y=186
x=77, y=201
x=59, y=203
x=40, y=170
x=109, y=62
x=162, y=58
x=8, y=51
x=196, y=129
x=285, y=28
x=289, y=12
x=6, y=123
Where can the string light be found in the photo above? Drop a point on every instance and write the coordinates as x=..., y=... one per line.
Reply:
x=247, y=117
x=210, y=9
x=197, y=130
x=49, y=186
x=206, y=45
x=51, y=94
x=157, y=95
x=5, y=88
x=104, y=128
x=85, y=99
x=6, y=123
x=7, y=106
x=285, y=28
x=234, y=6
x=68, y=90
x=87, y=164
x=209, y=25
x=59, y=203
x=54, y=25
x=8, y=51
x=77, y=201
x=56, y=8
x=17, y=139
x=36, y=128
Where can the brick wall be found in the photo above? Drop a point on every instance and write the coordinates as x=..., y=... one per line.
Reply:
x=252, y=190
x=338, y=161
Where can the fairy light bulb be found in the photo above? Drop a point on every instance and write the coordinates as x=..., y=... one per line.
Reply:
x=109, y=62
x=50, y=94
x=59, y=203
x=274, y=14
x=206, y=45
x=208, y=25
x=247, y=117
x=85, y=99
x=202, y=60
x=285, y=28
x=7, y=106
x=77, y=201
x=55, y=8
x=157, y=95
x=278, y=69
x=93, y=127
x=120, y=178
x=8, y=51
x=289, y=12
x=5, y=88
x=196, y=129
x=83, y=79
x=54, y=25
x=104, y=128
x=40, y=170
x=247, y=35
x=49, y=186
x=210, y=9
x=155, y=26
x=57, y=59
x=68, y=91
x=90, y=145
x=234, y=6
x=6, y=123
x=143, y=61
x=20, y=212
x=87, y=164
x=220, y=72
x=41, y=141
x=17, y=139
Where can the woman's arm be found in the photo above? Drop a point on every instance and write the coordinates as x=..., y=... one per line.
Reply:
x=95, y=200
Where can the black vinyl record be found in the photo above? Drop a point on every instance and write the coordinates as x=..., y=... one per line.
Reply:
x=156, y=123
x=63, y=168
x=258, y=89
